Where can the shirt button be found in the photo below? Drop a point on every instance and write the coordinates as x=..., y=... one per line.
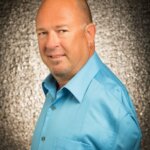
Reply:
x=53, y=107
x=43, y=138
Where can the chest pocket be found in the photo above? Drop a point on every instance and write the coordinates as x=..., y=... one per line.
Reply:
x=66, y=144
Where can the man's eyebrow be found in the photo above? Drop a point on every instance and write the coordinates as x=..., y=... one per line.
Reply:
x=60, y=26
x=57, y=26
x=40, y=29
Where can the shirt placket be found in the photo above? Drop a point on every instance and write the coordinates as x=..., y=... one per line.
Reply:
x=48, y=117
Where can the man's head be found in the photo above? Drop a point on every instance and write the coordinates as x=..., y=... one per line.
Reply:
x=84, y=8
x=65, y=36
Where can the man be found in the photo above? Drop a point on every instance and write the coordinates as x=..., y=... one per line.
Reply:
x=86, y=106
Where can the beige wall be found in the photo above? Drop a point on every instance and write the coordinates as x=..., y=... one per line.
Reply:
x=122, y=41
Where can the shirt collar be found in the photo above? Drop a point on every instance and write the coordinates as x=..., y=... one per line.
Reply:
x=49, y=85
x=79, y=83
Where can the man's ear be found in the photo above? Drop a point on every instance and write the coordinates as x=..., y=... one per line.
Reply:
x=90, y=32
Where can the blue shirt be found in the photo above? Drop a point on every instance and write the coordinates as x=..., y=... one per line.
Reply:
x=93, y=111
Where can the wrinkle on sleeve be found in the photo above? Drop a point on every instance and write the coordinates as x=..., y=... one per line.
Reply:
x=129, y=134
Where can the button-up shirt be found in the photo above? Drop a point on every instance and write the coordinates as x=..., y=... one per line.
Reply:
x=93, y=111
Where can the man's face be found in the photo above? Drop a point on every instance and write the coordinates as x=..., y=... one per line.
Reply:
x=62, y=39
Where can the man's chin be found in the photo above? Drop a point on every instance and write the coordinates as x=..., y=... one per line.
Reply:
x=59, y=73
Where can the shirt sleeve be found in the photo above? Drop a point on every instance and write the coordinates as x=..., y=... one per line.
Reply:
x=129, y=134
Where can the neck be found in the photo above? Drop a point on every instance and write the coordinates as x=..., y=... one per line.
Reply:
x=60, y=86
x=60, y=82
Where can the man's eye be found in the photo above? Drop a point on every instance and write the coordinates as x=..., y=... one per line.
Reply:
x=62, y=31
x=42, y=33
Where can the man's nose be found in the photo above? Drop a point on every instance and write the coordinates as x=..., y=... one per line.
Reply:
x=52, y=41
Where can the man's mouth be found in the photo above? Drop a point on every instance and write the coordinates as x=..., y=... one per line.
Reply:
x=56, y=56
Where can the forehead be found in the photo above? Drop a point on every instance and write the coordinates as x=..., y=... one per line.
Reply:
x=54, y=11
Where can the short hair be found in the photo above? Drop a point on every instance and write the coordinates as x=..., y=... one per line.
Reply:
x=84, y=6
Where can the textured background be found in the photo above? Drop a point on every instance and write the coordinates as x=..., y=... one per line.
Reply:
x=122, y=41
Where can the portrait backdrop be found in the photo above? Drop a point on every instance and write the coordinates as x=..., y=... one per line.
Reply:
x=122, y=42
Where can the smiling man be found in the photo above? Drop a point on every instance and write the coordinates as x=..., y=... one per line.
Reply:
x=86, y=106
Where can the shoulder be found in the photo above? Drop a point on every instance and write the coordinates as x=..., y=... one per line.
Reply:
x=106, y=81
x=111, y=93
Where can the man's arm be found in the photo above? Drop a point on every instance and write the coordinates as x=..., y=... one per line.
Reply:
x=129, y=134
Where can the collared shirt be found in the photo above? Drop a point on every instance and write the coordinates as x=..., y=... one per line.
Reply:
x=93, y=111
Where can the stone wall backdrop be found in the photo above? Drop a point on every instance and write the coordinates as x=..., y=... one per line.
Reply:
x=122, y=41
